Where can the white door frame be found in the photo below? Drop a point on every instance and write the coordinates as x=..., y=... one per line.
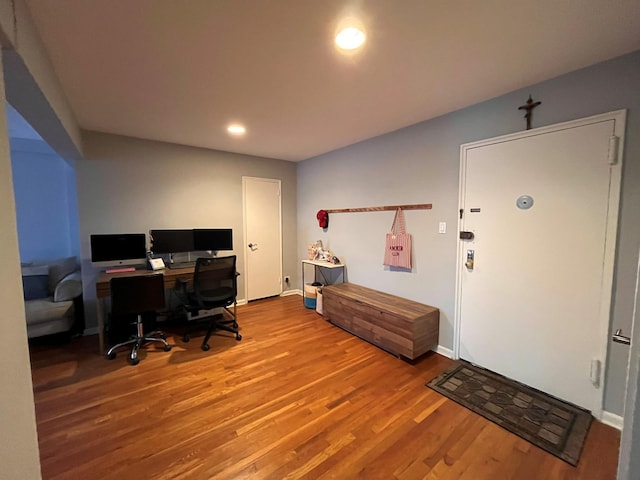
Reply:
x=629, y=457
x=244, y=228
x=616, y=151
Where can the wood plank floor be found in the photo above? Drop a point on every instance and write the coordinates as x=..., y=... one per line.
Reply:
x=296, y=398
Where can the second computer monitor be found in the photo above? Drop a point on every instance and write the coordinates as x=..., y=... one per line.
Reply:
x=199, y=239
x=171, y=241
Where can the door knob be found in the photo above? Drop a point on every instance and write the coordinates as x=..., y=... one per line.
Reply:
x=251, y=245
x=619, y=338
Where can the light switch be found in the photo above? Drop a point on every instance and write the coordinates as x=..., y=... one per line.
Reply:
x=442, y=228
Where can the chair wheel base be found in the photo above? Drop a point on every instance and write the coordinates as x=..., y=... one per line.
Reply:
x=134, y=361
x=205, y=347
x=167, y=348
x=185, y=339
x=238, y=337
x=111, y=356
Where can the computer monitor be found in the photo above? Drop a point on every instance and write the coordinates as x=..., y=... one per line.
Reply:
x=109, y=250
x=171, y=241
x=214, y=239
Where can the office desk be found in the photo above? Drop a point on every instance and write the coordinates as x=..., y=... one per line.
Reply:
x=103, y=289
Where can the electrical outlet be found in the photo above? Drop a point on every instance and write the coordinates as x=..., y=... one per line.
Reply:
x=287, y=279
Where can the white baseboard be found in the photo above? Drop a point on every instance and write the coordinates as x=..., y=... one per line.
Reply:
x=287, y=293
x=444, y=351
x=91, y=331
x=612, y=420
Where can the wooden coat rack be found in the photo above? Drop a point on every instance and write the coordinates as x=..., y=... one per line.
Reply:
x=418, y=206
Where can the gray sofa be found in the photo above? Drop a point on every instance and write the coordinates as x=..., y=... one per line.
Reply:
x=53, y=297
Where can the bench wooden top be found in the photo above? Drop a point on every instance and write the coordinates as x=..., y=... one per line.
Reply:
x=383, y=301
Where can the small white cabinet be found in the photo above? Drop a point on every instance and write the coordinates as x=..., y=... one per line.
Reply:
x=325, y=272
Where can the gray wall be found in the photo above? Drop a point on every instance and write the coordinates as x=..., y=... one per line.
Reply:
x=128, y=185
x=420, y=164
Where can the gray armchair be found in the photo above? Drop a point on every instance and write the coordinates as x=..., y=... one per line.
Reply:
x=53, y=297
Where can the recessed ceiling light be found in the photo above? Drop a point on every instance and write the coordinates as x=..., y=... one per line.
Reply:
x=236, y=129
x=350, y=38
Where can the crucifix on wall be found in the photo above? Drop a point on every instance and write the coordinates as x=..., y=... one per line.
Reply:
x=528, y=107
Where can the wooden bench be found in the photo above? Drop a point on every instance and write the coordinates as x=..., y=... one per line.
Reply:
x=397, y=325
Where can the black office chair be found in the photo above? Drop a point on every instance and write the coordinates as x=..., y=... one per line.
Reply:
x=214, y=286
x=137, y=295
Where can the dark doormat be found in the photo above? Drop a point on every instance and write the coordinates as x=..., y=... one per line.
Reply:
x=551, y=424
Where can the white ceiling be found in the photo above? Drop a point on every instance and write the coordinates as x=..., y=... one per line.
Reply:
x=180, y=71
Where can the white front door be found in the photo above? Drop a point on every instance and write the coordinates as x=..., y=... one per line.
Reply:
x=263, y=237
x=542, y=206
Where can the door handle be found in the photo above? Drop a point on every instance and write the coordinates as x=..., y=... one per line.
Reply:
x=619, y=338
x=251, y=245
x=469, y=262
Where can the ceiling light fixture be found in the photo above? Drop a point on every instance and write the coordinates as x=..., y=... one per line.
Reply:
x=350, y=38
x=236, y=129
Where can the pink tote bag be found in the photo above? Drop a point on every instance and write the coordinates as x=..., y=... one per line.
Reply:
x=397, y=252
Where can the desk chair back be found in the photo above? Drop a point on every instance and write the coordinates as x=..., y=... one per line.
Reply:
x=215, y=286
x=214, y=281
x=137, y=294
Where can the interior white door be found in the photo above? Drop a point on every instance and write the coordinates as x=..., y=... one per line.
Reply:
x=542, y=206
x=263, y=237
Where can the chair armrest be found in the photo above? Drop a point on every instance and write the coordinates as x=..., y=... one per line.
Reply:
x=68, y=288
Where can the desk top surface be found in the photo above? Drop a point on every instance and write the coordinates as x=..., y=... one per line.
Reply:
x=168, y=272
x=321, y=263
